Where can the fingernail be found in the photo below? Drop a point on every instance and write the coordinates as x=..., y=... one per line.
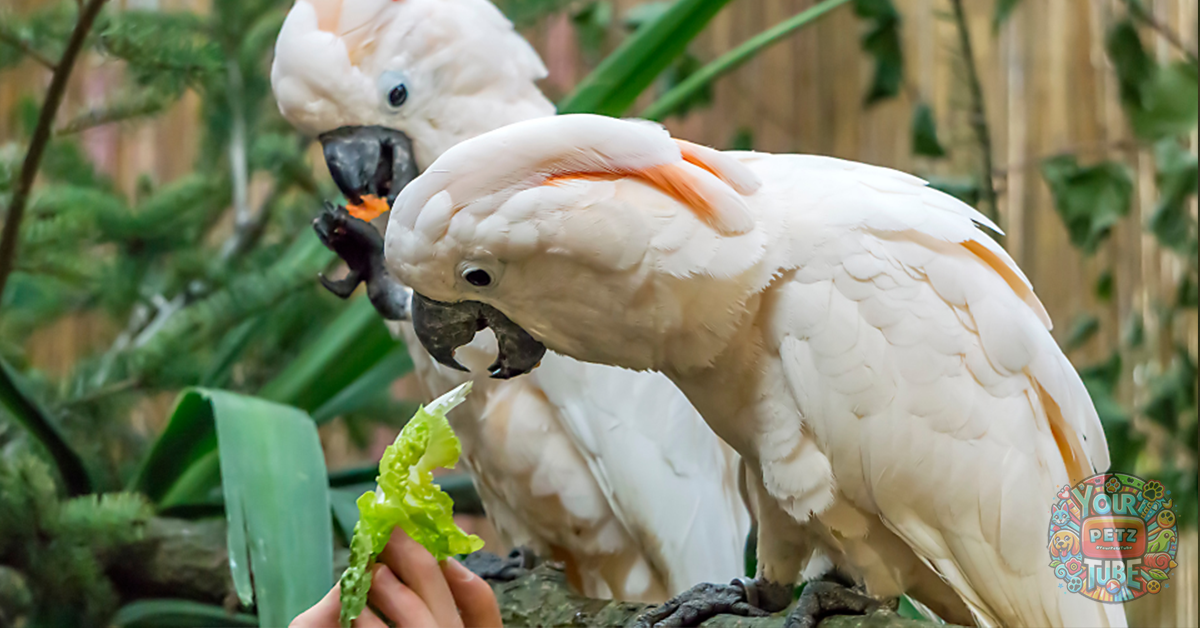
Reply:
x=456, y=570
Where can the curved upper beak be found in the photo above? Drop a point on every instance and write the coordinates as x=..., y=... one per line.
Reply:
x=371, y=160
x=444, y=327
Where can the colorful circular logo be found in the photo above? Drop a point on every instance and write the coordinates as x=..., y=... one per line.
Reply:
x=1113, y=538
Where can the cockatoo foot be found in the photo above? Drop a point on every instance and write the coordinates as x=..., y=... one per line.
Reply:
x=749, y=598
x=489, y=566
x=822, y=598
x=361, y=247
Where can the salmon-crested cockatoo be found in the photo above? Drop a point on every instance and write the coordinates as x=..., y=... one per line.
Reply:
x=607, y=470
x=881, y=364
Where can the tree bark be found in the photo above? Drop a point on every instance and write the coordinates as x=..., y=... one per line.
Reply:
x=180, y=558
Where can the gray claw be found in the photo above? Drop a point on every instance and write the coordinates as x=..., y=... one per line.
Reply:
x=706, y=600
x=489, y=566
x=823, y=598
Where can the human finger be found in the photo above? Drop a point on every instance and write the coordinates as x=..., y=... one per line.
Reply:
x=400, y=603
x=367, y=619
x=322, y=614
x=414, y=566
x=475, y=599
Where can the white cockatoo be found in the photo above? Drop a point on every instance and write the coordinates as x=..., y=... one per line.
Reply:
x=882, y=365
x=607, y=470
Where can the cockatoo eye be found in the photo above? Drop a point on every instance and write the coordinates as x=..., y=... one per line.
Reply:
x=393, y=89
x=477, y=277
x=397, y=95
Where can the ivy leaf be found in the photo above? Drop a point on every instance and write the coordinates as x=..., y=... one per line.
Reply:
x=1135, y=331
x=1160, y=101
x=1169, y=104
x=1124, y=442
x=882, y=42
x=1082, y=330
x=1090, y=200
x=1172, y=222
x=1003, y=11
x=1186, y=295
x=964, y=189
x=1173, y=393
x=1104, y=287
x=743, y=139
x=924, y=132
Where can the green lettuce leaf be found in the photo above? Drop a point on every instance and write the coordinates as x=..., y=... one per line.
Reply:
x=407, y=497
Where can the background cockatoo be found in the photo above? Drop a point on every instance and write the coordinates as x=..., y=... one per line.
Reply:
x=882, y=365
x=610, y=471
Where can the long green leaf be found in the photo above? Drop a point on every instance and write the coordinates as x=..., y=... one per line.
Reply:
x=731, y=60
x=268, y=462
x=178, y=614
x=181, y=468
x=35, y=419
x=359, y=393
x=348, y=347
x=614, y=86
x=276, y=504
x=188, y=439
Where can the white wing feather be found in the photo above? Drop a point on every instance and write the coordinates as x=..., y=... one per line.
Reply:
x=670, y=481
x=924, y=367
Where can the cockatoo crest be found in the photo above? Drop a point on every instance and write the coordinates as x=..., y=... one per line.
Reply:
x=551, y=151
x=440, y=71
x=630, y=197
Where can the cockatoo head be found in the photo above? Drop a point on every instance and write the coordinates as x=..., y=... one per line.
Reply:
x=388, y=85
x=580, y=230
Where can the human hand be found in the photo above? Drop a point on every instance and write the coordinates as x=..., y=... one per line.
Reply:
x=413, y=590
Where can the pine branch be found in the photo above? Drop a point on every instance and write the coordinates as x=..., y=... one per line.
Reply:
x=978, y=115
x=15, y=41
x=41, y=136
x=132, y=106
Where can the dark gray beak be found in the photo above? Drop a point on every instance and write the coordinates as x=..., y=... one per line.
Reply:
x=369, y=160
x=444, y=327
x=365, y=160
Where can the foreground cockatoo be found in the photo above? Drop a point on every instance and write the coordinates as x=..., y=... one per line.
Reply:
x=608, y=470
x=882, y=365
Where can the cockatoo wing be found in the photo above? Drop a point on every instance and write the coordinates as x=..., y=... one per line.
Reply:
x=923, y=364
x=670, y=480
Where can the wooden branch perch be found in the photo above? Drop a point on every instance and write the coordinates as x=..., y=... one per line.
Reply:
x=542, y=598
x=181, y=558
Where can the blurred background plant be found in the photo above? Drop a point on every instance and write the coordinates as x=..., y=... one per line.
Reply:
x=166, y=244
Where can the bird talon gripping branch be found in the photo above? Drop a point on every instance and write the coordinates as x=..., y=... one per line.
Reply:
x=826, y=597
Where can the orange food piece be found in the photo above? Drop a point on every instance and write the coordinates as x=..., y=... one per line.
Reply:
x=369, y=209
